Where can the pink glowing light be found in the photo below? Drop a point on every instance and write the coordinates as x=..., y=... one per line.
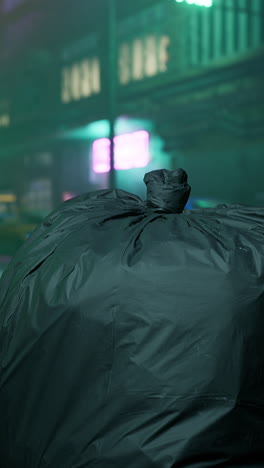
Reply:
x=131, y=151
x=68, y=195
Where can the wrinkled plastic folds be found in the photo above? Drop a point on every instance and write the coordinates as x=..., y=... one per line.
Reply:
x=132, y=337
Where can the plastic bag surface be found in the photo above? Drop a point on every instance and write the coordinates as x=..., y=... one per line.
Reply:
x=131, y=335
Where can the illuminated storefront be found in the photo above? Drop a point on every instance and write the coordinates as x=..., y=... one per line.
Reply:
x=173, y=59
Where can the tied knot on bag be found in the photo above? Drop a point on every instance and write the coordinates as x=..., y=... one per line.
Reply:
x=167, y=190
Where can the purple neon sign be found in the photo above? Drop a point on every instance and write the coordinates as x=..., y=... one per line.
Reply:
x=131, y=151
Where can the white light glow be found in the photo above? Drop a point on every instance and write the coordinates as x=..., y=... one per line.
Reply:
x=204, y=3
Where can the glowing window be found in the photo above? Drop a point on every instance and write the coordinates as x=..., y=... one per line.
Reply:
x=80, y=80
x=124, y=64
x=4, y=120
x=143, y=58
x=138, y=60
x=151, y=57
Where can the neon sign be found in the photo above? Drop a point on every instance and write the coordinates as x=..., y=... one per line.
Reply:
x=131, y=151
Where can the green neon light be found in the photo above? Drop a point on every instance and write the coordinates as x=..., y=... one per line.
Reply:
x=204, y=3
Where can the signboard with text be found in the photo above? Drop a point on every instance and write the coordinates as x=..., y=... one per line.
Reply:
x=142, y=54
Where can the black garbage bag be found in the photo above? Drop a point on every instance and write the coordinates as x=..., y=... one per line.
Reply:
x=132, y=335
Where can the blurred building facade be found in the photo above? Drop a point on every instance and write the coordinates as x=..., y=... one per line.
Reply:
x=189, y=93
